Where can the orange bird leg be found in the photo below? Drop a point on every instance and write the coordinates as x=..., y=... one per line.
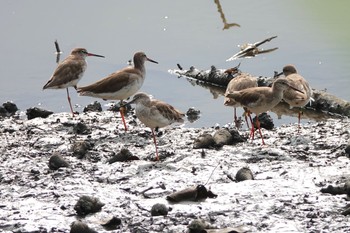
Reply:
x=121, y=110
x=235, y=117
x=155, y=144
x=246, y=112
x=299, y=115
x=70, y=104
x=252, y=128
x=258, y=124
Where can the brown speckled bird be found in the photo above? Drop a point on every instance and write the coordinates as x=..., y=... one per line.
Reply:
x=69, y=72
x=155, y=114
x=121, y=84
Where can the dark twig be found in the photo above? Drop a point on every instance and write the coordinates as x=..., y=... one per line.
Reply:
x=58, y=52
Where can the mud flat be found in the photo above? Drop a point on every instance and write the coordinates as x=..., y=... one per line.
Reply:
x=284, y=195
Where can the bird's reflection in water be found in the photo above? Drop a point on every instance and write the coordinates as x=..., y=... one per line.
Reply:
x=282, y=109
x=222, y=15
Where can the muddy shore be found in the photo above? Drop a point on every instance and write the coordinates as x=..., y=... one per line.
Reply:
x=284, y=195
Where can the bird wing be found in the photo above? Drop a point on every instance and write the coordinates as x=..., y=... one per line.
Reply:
x=66, y=71
x=167, y=111
x=112, y=83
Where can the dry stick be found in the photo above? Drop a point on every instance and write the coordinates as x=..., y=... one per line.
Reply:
x=211, y=174
x=58, y=52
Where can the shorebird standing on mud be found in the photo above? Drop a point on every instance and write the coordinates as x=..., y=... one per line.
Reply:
x=121, y=84
x=292, y=97
x=261, y=99
x=155, y=114
x=69, y=72
x=238, y=83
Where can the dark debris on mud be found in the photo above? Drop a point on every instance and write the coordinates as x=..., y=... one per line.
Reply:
x=50, y=164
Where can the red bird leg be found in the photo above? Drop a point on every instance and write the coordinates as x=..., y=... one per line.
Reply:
x=121, y=110
x=70, y=104
x=155, y=144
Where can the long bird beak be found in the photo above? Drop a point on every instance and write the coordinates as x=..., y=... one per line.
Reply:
x=277, y=74
x=151, y=60
x=127, y=103
x=296, y=89
x=95, y=55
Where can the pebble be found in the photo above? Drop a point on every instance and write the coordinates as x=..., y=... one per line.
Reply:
x=56, y=161
x=204, y=141
x=93, y=107
x=244, y=174
x=87, y=205
x=80, y=227
x=37, y=112
x=159, y=210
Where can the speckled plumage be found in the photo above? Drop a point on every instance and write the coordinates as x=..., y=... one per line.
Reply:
x=69, y=71
x=261, y=99
x=121, y=84
x=155, y=113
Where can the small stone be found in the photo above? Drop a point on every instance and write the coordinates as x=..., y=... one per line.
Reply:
x=80, y=148
x=10, y=107
x=93, y=107
x=87, y=205
x=198, y=226
x=56, y=161
x=244, y=174
x=122, y=156
x=81, y=128
x=3, y=111
x=347, y=149
x=222, y=137
x=265, y=120
x=204, y=141
x=159, y=210
x=80, y=227
x=112, y=224
x=236, y=137
x=37, y=112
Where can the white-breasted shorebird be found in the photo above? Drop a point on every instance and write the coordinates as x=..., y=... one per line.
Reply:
x=296, y=98
x=261, y=99
x=238, y=83
x=155, y=114
x=69, y=72
x=121, y=84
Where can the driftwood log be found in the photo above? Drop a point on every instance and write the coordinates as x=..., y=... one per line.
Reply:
x=325, y=105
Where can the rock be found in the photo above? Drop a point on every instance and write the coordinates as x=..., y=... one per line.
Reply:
x=122, y=156
x=80, y=227
x=112, y=224
x=195, y=193
x=236, y=137
x=198, y=226
x=81, y=128
x=265, y=120
x=193, y=114
x=159, y=210
x=204, y=141
x=338, y=190
x=223, y=137
x=94, y=107
x=56, y=161
x=347, y=149
x=10, y=107
x=37, y=112
x=87, y=205
x=80, y=148
x=3, y=112
x=244, y=174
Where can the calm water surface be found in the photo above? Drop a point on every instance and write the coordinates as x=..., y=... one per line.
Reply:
x=312, y=34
